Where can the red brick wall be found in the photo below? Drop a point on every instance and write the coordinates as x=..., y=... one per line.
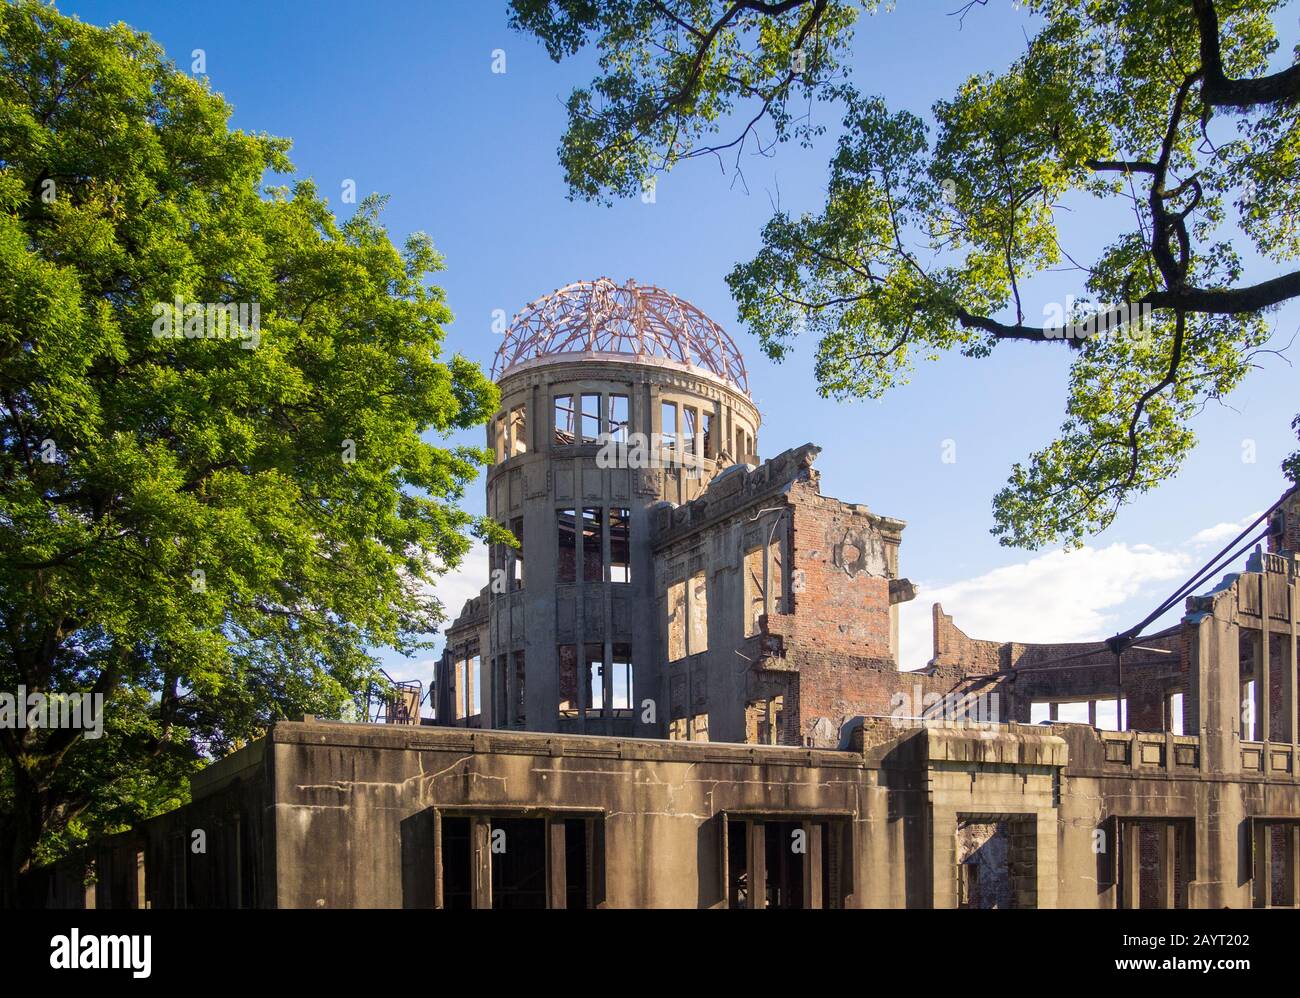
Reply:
x=953, y=647
x=839, y=584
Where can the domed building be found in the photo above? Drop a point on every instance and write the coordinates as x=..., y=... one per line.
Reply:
x=670, y=585
x=654, y=544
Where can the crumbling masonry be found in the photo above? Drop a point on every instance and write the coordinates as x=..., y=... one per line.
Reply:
x=681, y=689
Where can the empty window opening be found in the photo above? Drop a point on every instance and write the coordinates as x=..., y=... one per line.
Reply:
x=620, y=544
x=518, y=430
x=1250, y=696
x=1249, y=712
x=577, y=871
x=698, y=641
x=499, y=438
x=776, y=570
x=668, y=424
x=518, y=693
x=515, y=556
x=1176, y=713
x=567, y=657
x=620, y=678
x=501, y=690
x=709, y=439
x=774, y=862
x=738, y=892
x=1073, y=713
x=510, y=861
x=786, y=856
x=1279, y=724
x=564, y=420
x=593, y=561
x=594, y=672
x=676, y=621
x=616, y=417
x=763, y=721
x=755, y=602
x=1154, y=859
x=1112, y=715
x=456, y=860
x=518, y=847
x=996, y=861
x=690, y=427
x=474, y=699
x=460, y=691
x=590, y=418
x=1282, y=860
x=567, y=560
x=1106, y=715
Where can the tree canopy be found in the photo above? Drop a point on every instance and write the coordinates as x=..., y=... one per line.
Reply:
x=209, y=524
x=1173, y=111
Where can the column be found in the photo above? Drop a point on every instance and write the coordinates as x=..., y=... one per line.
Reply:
x=481, y=868
x=757, y=863
x=1291, y=675
x=1263, y=679
x=1131, y=872
x=1293, y=868
x=1168, y=887
x=556, y=871
x=1263, y=872
x=812, y=870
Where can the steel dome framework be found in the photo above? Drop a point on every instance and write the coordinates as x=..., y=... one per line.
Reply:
x=634, y=320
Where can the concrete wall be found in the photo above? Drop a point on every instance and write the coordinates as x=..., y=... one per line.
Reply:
x=551, y=475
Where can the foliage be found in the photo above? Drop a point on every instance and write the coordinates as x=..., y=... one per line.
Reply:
x=210, y=531
x=1163, y=112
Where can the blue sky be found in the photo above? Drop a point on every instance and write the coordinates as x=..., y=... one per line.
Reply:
x=400, y=98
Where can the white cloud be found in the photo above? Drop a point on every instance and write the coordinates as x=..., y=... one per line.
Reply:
x=1221, y=533
x=405, y=669
x=452, y=589
x=462, y=583
x=1061, y=596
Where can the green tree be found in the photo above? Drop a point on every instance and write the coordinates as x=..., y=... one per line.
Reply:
x=208, y=528
x=1169, y=111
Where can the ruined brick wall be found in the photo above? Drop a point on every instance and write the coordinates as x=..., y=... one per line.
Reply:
x=952, y=647
x=843, y=558
x=1039, y=673
x=1147, y=681
x=839, y=633
x=835, y=689
x=1285, y=535
x=825, y=648
x=467, y=636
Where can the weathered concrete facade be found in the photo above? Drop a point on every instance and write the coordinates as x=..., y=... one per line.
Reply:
x=656, y=551
x=777, y=608
x=682, y=690
x=323, y=814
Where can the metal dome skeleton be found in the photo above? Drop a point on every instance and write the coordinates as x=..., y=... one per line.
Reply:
x=633, y=320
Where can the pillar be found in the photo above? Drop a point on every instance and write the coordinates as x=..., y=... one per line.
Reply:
x=556, y=871
x=1131, y=872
